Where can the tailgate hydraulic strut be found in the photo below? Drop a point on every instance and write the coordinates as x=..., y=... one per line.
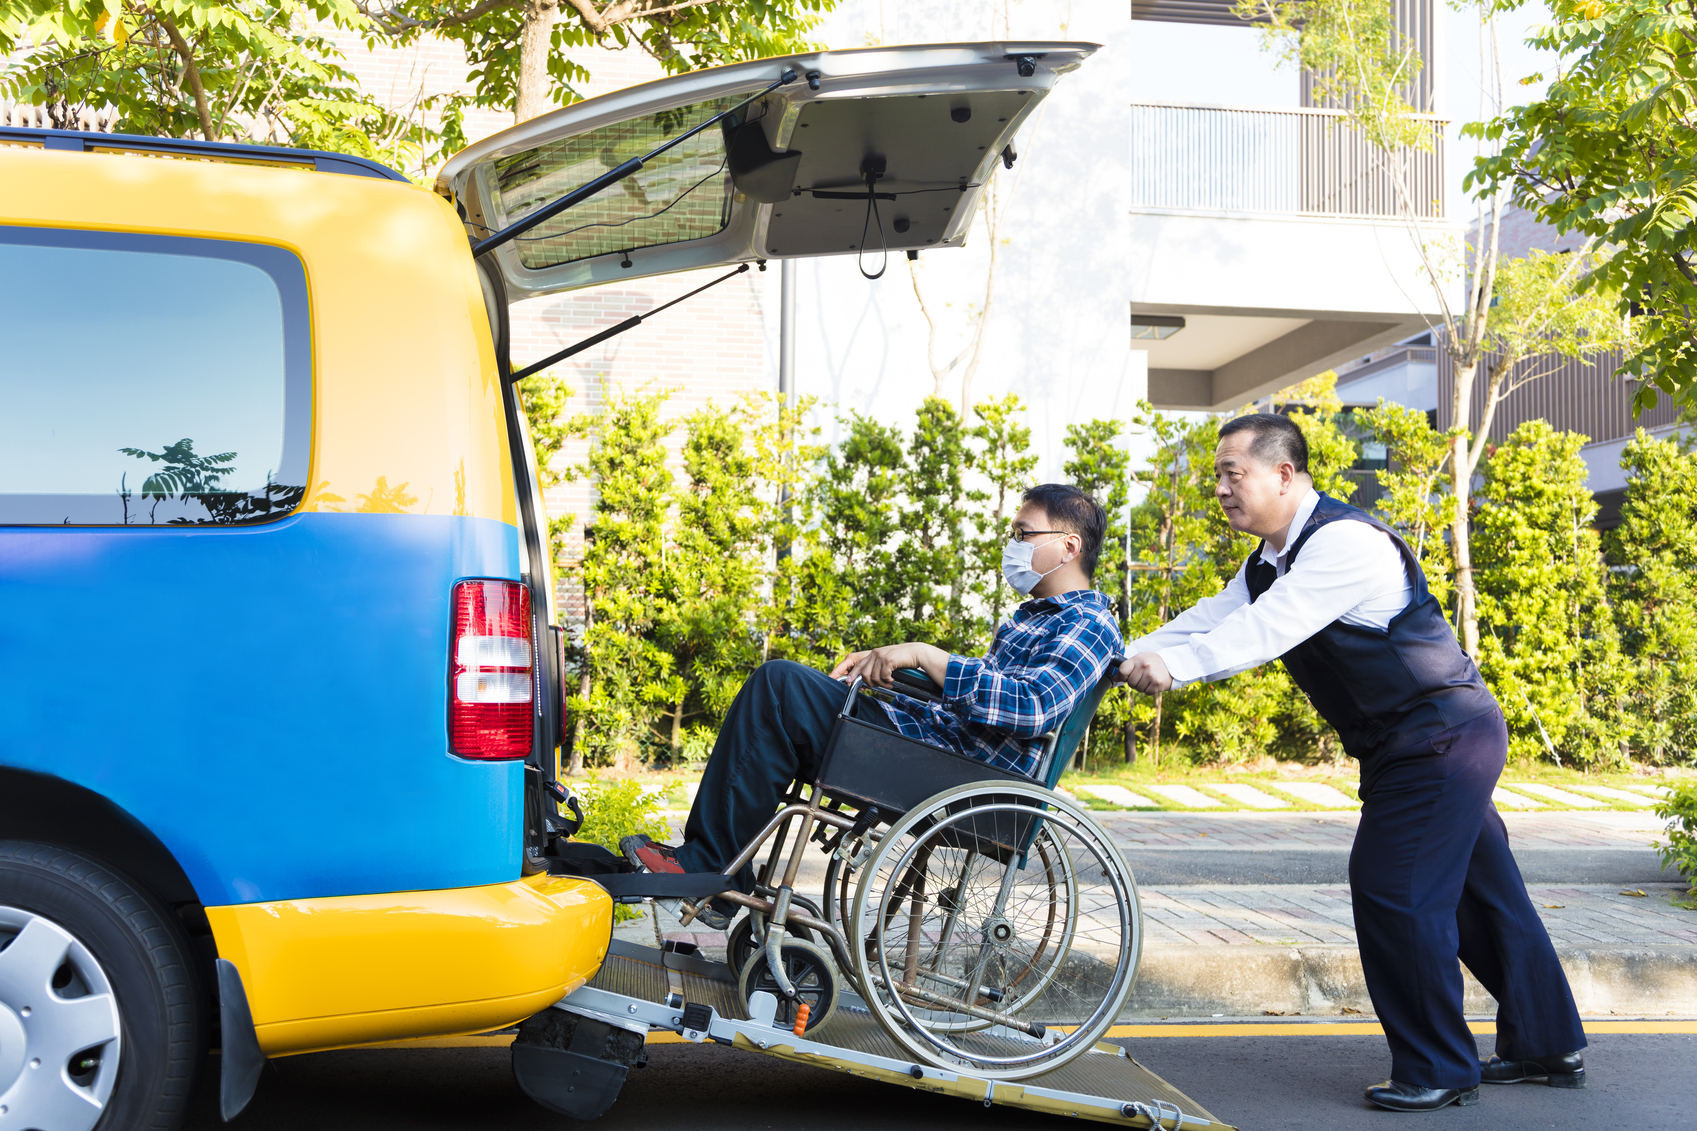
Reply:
x=630, y=323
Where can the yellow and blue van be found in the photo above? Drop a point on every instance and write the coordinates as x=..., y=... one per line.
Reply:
x=281, y=706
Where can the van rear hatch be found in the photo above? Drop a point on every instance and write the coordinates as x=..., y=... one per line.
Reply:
x=871, y=151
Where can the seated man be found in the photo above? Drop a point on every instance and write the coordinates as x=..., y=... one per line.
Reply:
x=1045, y=657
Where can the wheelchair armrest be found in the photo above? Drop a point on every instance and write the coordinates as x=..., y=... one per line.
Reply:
x=914, y=681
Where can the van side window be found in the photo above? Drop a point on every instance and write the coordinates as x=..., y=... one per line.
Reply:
x=151, y=380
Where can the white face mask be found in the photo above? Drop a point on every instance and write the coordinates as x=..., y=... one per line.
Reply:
x=1016, y=566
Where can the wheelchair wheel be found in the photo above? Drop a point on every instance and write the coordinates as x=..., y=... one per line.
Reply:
x=809, y=969
x=838, y=892
x=997, y=931
x=747, y=933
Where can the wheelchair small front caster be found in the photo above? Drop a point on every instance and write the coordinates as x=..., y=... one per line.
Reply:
x=810, y=971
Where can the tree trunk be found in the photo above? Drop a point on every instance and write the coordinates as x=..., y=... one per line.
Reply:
x=1467, y=604
x=1130, y=737
x=677, y=733
x=1155, y=733
x=575, y=765
x=1125, y=626
x=535, y=42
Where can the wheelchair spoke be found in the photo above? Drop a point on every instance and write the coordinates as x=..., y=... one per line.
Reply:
x=955, y=897
x=988, y=918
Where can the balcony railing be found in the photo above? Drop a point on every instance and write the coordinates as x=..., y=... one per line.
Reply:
x=1295, y=161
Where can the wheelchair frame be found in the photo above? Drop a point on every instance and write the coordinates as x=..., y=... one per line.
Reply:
x=819, y=808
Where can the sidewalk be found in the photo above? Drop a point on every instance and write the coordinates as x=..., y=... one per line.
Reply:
x=1245, y=949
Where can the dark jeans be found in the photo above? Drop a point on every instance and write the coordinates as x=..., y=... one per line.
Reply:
x=774, y=734
x=1432, y=879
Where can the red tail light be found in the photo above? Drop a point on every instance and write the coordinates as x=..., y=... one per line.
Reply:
x=490, y=692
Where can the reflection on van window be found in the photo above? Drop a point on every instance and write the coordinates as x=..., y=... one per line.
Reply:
x=146, y=384
x=684, y=194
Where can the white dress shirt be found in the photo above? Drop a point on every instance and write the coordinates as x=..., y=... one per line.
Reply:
x=1347, y=571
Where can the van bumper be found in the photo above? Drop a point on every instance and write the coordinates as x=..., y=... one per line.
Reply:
x=360, y=969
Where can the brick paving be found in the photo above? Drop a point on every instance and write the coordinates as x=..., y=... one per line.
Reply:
x=1587, y=917
x=1584, y=916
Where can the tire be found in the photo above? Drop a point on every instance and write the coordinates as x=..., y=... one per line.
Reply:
x=69, y=921
x=809, y=969
x=1001, y=902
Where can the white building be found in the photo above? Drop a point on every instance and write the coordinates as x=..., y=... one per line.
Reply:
x=1134, y=206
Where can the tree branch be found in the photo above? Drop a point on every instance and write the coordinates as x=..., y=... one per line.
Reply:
x=603, y=20
x=186, y=54
x=393, y=22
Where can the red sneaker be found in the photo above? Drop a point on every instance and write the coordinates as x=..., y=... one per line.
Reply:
x=650, y=855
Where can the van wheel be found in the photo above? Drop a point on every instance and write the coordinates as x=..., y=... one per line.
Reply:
x=100, y=1009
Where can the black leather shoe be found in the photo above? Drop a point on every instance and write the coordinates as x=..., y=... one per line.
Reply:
x=1557, y=1071
x=1397, y=1096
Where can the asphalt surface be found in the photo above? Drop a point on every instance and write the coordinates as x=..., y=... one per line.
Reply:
x=1154, y=867
x=1255, y=1083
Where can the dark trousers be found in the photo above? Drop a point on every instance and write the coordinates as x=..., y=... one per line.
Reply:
x=1433, y=880
x=774, y=734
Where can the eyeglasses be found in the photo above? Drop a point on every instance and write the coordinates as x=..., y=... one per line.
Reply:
x=1015, y=534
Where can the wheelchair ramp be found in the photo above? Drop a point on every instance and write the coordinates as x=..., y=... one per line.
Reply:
x=638, y=983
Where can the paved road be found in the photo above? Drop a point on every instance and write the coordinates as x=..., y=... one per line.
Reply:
x=1301, y=1083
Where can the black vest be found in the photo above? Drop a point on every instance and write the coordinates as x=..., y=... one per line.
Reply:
x=1385, y=689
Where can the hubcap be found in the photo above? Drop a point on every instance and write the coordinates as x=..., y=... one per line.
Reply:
x=59, y=1040
x=999, y=931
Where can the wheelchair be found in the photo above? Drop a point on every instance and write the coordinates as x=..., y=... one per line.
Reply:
x=986, y=922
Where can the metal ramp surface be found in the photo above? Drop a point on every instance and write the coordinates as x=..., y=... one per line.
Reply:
x=639, y=984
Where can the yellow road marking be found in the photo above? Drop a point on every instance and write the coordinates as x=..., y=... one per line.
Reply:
x=1360, y=1028
x=1164, y=1029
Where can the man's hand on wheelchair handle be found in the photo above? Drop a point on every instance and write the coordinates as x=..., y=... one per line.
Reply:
x=877, y=666
x=1146, y=672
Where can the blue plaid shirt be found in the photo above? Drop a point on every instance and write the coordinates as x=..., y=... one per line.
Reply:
x=1041, y=662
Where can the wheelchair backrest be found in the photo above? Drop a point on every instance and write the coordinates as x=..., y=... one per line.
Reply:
x=1063, y=742
x=1072, y=732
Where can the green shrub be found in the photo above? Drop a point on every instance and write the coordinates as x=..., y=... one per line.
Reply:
x=1679, y=809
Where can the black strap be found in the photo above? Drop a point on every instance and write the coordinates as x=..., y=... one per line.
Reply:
x=664, y=885
x=613, y=873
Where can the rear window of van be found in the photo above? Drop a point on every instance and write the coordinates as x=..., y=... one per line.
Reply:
x=151, y=380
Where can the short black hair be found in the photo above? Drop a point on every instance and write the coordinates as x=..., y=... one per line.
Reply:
x=1071, y=509
x=1277, y=438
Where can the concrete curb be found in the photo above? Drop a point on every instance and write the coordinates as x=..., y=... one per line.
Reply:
x=1190, y=981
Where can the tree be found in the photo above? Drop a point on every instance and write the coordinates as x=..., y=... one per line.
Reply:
x=1550, y=651
x=1100, y=467
x=935, y=545
x=713, y=568
x=1004, y=460
x=520, y=51
x=625, y=581
x=544, y=397
x=1537, y=307
x=257, y=70
x=1653, y=557
x=1416, y=501
x=1183, y=551
x=1611, y=151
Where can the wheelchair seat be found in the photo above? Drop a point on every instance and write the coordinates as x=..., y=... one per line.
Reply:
x=868, y=765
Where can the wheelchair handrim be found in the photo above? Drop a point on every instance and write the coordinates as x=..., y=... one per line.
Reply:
x=1065, y=816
